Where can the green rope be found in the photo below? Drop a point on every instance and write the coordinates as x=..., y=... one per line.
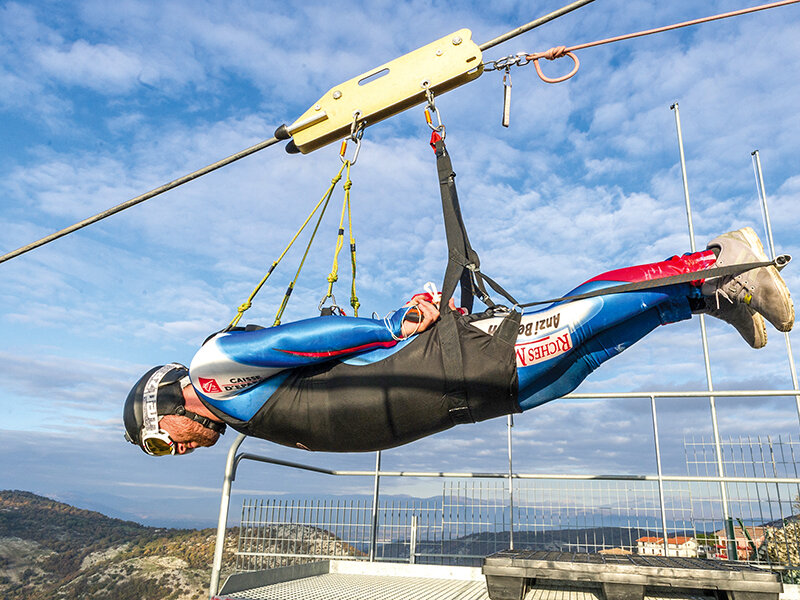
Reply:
x=248, y=303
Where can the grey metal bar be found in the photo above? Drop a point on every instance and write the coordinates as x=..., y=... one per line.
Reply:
x=677, y=394
x=703, y=335
x=373, y=540
x=222, y=522
x=762, y=195
x=660, y=476
x=763, y=198
x=503, y=475
x=510, y=424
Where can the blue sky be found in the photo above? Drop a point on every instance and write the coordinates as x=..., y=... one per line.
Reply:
x=100, y=102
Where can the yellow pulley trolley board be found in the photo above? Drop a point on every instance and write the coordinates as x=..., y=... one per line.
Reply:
x=443, y=65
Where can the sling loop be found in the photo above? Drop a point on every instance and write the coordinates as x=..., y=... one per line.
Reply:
x=333, y=277
x=463, y=266
x=292, y=283
x=248, y=303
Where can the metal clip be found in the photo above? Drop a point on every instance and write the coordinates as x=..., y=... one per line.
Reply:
x=439, y=127
x=507, y=97
x=356, y=133
x=333, y=309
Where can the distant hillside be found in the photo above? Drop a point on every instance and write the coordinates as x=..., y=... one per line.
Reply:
x=52, y=550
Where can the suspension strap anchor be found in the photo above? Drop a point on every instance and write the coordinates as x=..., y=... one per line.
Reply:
x=389, y=89
x=356, y=133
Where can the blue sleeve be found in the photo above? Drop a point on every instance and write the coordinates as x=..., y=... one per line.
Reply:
x=309, y=341
x=238, y=371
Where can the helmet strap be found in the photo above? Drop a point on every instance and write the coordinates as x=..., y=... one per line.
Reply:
x=204, y=421
x=150, y=397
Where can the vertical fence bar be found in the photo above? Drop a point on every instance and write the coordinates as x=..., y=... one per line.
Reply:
x=510, y=423
x=660, y=476
x=412, y=550
x=714, y=422
x=762, y=196
x=373, y=539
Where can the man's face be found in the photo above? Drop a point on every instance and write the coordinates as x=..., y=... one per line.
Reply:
x=187, y=434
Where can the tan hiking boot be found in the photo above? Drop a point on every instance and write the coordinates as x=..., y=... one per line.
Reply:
x=761, y=289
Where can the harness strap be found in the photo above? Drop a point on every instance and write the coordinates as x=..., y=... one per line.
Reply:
x=713, y=272
x=453, y=365
x=463, y=266
x=204, y=421
x=460, y=252
x=478, y=277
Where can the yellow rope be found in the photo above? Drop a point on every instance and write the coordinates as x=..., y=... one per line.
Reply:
x=289, y=290
x=247, y=303
x=353, y=298
x=333, y=276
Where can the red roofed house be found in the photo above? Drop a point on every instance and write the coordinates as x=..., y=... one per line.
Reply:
x=676, y=546
x=744, y=549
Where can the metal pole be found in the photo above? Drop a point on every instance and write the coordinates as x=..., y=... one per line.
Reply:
x=373, y=540
x=222, y=523
x=762, y=195
x=533, y=24
x=703, y=334
x=412, y=549
x=660, y=476
x=510, y=424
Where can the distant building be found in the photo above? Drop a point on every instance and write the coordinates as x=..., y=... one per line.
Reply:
x=676, y=546
x=744, y=549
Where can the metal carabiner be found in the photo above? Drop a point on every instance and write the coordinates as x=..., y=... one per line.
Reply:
x=439, y=127
x=428, y=94
x=334, y=308
x=356, y=133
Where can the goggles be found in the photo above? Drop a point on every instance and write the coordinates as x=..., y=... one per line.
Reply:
x=158, y=443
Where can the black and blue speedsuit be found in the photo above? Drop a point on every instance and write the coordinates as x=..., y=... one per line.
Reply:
x=351, y=384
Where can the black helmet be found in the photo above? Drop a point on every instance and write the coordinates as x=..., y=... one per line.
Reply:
x=159, y=392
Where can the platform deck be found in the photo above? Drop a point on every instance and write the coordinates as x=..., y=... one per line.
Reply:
x=350, y=580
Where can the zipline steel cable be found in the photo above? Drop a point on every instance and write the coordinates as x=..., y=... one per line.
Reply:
x=522, y=59
x=491, y=65
x=146, y=196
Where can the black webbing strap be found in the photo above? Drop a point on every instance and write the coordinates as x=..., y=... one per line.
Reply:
x=460, y=252
x=463, y=266
x=636, y=286
x=453, y=365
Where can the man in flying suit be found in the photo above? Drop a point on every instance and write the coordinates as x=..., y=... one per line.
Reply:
x=347, y=384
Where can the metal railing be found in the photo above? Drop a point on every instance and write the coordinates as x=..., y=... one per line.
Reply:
x=660, y=492
x=472, y=518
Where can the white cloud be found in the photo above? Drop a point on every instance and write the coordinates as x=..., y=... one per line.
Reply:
x=101, y=67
